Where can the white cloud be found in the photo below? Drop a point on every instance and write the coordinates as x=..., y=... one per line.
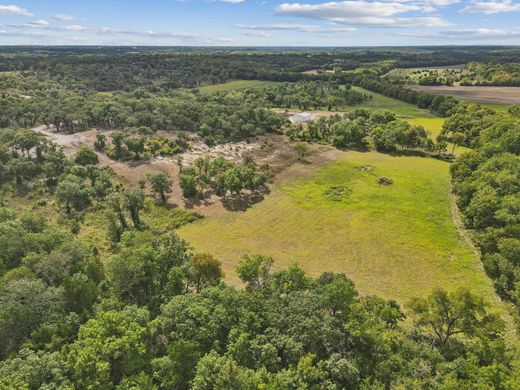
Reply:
x=39, y=23
x=256, y=34
x=232, y=1
x=45, y=25
x=295, y=27
x=14, y=9
x=473, y=34
x=480, y=33
x=63, y=17
x=491, y=7
x=360, y=12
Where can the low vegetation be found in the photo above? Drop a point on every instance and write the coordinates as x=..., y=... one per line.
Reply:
x=395, y=241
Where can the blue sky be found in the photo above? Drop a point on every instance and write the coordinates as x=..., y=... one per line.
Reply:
x=260, y=22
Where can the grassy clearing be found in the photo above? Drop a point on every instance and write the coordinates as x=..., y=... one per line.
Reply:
x=380, y=102
x=395, y=241
x=432, y=124
x=236, y=85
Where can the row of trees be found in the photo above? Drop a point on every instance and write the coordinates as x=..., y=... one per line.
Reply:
x=221, y=176
x=486, y=181
x=438, y=104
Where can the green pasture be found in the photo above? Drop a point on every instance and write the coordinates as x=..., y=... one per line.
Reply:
x=236, y=85
x=396, y=241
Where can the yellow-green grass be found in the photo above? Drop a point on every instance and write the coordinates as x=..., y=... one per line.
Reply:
x=236, y=85
x=381, y=102
x=395, y=241
x=432, y=124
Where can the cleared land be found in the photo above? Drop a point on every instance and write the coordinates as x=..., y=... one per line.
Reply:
x=396, y=241
x=236, y=85
x=380, y=102
x=500, y=95
x=432, y=124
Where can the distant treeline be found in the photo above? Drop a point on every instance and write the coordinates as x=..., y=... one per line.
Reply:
x=109, y=69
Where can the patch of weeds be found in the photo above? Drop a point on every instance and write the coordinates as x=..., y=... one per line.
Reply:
x=364, y=168
x=336, y=193
x=267, y=146
x=385, y=181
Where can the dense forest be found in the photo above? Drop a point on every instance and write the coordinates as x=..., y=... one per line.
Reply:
x=99, y=291
x=486, y=181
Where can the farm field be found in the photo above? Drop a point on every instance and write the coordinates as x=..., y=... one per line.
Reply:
x=395, y=241
x=496, y=95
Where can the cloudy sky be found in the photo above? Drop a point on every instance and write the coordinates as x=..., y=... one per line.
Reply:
x=260, y=22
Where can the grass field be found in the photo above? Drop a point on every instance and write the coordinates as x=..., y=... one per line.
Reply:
x=380, y=102
x=236, y=85
x=432, y=124
x=395, y=241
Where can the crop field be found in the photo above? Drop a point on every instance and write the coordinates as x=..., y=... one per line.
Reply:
x=496, y=95
x=396, y=241
x=236, y=85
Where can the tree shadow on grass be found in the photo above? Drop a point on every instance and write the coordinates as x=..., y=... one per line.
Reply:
x=191, y=203
x=243, y=201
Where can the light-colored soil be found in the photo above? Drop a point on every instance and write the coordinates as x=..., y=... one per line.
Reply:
x=503, y=95
x=273, y=149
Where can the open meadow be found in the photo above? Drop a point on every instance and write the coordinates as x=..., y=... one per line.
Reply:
x=396, y=241
x=236, y=85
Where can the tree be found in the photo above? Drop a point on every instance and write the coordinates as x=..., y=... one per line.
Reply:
x=443, y=315
x=338, y=294
x=135, y=145
x=25, y=305
x=301, y=150
x=161, y=184
x=110, y=346
x=253, y=270
x=205, y=271
x=86, y=156
x=73, y=194
x=101, y=142
x=457, y=139
x=34, y=370
x=233, y=180
x=188, y=183
x=177, y=369
x=117, y=142
x=25, y=140
x=134, y=202
x=22, y=170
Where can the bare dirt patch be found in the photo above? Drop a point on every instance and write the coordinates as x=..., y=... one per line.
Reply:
x=502, y=95
x=272, y=149
x=70, y=142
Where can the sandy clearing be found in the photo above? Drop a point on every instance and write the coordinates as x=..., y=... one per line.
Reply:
x=272, y=149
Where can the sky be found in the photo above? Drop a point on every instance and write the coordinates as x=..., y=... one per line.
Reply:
x=260, y=22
